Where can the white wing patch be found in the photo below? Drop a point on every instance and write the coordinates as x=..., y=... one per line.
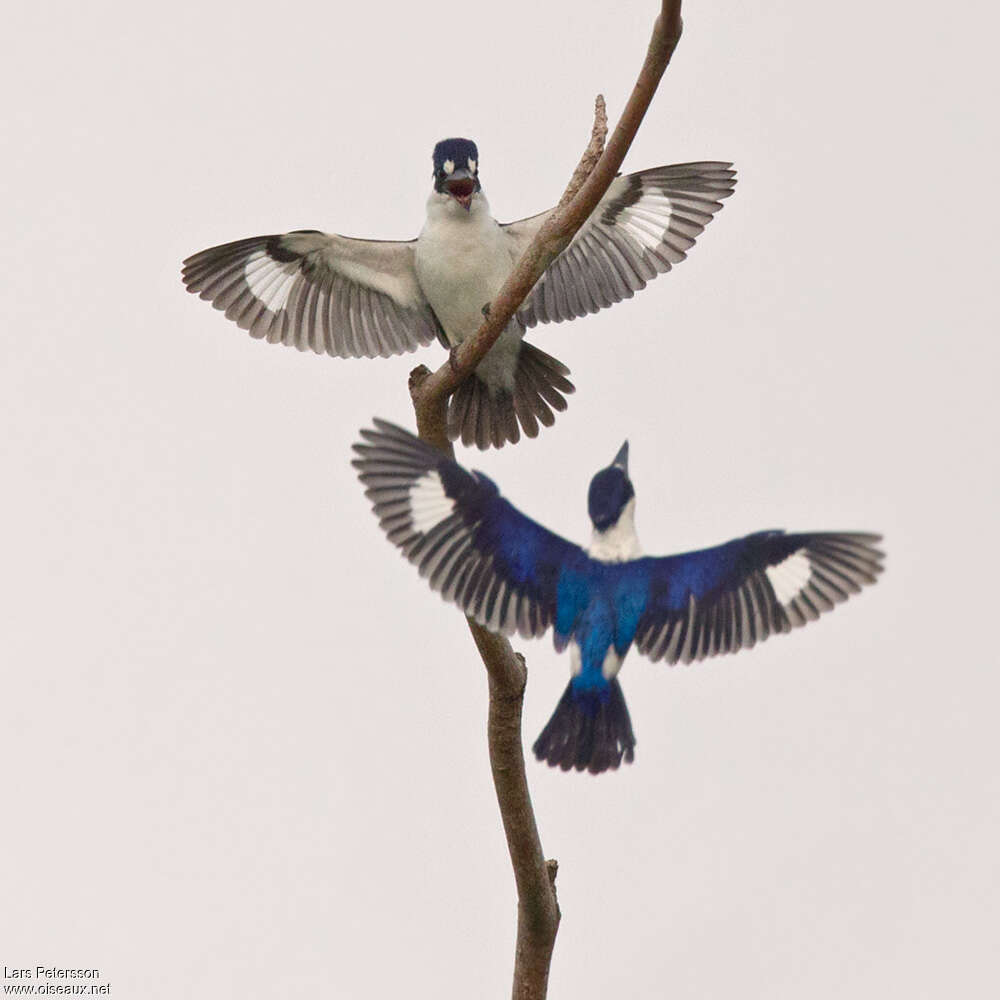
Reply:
x=647, y=220
x=429, y=504
x=644, y=225
x=790, y=577
x=269, y=281
x=343, y=297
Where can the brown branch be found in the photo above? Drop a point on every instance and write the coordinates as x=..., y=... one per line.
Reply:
x=537, y=909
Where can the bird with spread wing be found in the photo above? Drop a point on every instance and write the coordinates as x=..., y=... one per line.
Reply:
x=367, y=298
x=511, y=574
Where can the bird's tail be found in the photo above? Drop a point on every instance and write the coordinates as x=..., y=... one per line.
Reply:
x=486, y=415
x=589, y=730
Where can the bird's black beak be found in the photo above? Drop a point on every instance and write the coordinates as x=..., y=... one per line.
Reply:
x=621, y=459
x=461, y=185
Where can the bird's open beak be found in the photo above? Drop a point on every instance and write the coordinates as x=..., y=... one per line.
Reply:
x=621, y=459
x=461, y=185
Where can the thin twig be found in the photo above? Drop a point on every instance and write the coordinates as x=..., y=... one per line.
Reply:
x=537, y=909
x=591, y=155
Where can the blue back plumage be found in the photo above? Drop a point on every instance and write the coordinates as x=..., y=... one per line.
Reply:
x=586, y=589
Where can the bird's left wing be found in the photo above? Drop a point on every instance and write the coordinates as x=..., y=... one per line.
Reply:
x=732, y=596
x=644, y=224
x=472, y=546
x=318, y=291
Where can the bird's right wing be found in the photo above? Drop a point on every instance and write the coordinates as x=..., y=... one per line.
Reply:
x=732, y=596
x=472, y=546
x=642, y=227
x=318, y=291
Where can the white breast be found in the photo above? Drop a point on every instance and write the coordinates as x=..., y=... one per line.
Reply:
x=461, y=259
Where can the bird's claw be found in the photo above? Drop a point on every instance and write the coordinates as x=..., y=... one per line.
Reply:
x=453, y=359
x=486, y=310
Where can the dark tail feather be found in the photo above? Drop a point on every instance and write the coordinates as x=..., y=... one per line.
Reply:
x=489, y=417
x=589, y=730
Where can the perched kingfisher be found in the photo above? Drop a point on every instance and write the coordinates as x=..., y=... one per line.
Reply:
x=512, y=575
x=366, y=298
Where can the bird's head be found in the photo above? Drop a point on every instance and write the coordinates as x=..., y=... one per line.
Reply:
x=456, y=171
x=610, y=492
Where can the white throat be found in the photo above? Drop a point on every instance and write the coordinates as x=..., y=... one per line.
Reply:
x=619, y=542
x=443, y=209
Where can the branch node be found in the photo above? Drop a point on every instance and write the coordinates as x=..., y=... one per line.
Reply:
x=417, y=378
x=552, y=870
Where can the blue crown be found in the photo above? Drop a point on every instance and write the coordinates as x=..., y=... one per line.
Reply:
x=457, y=152
x=610, y=490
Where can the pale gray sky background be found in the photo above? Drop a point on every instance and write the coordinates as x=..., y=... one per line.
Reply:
x=243, y=744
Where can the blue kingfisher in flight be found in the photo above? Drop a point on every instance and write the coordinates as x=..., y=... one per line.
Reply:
x=511, y=575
